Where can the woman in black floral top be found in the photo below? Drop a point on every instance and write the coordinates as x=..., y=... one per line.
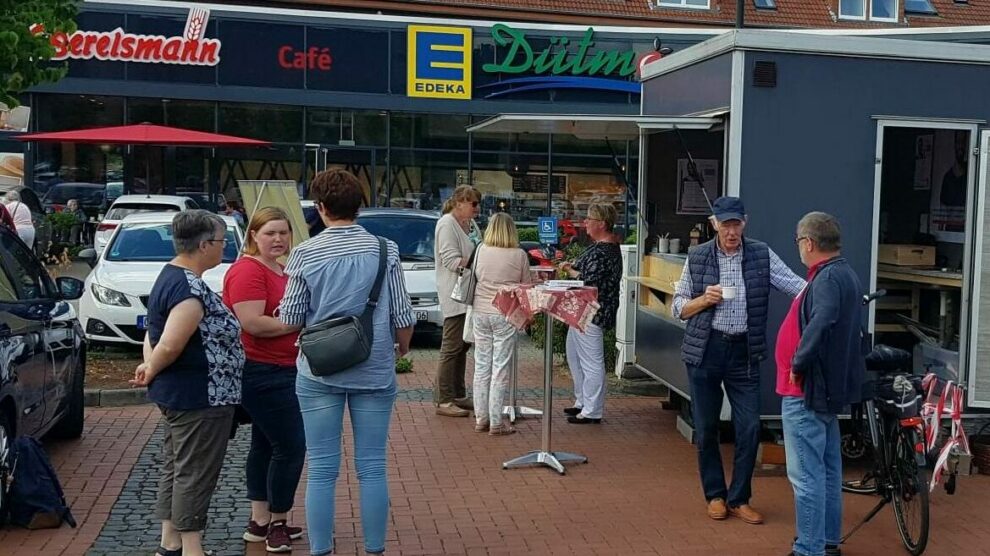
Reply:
x=599, y=266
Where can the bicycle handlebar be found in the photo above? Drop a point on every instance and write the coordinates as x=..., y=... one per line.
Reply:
x=870, y=297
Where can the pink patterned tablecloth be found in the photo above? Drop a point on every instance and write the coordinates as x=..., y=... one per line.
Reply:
x=520, y=305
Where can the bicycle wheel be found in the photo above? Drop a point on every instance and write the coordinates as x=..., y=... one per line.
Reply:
x=910, y=496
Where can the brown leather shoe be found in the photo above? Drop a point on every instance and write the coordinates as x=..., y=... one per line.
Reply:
x=746, y=513
x=717, y=509
x=464, y=403
x=451, y=410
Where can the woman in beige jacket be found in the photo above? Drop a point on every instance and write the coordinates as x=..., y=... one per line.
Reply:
x=452, y=251
x=501, y=263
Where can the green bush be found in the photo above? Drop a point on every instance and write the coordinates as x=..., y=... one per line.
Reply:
x=631, y=238
x=529, y=234
x=61, y=222
x=403, y=365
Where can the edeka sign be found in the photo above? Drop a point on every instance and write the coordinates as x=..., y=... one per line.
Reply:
x=439, y=62
x=119, y=46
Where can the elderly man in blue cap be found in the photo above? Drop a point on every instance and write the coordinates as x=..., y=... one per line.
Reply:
x=723, y=296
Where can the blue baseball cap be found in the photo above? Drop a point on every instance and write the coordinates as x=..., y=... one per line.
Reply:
x=728, y=208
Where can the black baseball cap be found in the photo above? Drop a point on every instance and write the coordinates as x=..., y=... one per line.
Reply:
x=728, y=208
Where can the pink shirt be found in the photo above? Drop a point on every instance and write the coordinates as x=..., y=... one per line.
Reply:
x=787, y=343
x=788, y=339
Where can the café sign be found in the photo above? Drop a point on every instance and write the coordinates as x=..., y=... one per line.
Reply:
x=191, y=49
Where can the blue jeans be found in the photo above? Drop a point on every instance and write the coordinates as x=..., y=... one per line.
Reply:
x=814, y=467
x=278, y=444
x=323, y=416
x=726, y=363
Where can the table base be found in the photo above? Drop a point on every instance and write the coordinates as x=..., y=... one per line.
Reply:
x=514, y=412
x=554, y=460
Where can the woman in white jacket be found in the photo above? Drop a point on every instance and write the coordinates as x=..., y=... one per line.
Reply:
x=500, y=264
x=21, y=214
x=452, y=251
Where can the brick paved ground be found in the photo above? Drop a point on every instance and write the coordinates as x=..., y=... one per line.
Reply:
x=637, y=495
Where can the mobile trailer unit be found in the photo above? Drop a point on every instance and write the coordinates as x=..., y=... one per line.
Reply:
x=867, y=129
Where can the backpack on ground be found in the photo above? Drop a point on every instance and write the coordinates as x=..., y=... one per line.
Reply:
x=35, y=497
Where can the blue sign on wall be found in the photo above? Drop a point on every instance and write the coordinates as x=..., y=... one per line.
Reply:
x=548, y=230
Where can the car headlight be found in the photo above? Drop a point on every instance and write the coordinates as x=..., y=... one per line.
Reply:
x=109, y=297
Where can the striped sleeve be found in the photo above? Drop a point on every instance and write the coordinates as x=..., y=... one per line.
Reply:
x=399, y=306
x=782, y=278
x=682, y=292
x=295, y=302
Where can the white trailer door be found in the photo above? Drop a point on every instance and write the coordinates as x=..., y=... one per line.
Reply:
x=978, y=354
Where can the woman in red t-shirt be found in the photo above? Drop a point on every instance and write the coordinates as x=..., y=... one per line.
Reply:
x=253, y=288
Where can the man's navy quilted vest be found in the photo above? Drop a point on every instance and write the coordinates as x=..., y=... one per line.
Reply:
x=704, y=272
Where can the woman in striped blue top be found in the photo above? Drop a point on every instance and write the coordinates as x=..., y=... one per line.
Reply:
x=332, y=275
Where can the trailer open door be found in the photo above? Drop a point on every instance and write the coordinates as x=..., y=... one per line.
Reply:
x=978, y=354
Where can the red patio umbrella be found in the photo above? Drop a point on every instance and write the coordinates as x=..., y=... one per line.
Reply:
x=144, y=134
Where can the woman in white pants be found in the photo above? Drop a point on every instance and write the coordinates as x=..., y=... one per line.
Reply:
x=600, y=266
x=500, y=263
x=21, y=214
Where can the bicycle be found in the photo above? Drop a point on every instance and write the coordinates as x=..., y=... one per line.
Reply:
x=891, y=408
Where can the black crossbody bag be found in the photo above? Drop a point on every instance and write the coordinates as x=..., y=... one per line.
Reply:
x=339, y=343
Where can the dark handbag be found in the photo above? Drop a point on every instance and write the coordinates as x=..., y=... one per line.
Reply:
x=339, y=343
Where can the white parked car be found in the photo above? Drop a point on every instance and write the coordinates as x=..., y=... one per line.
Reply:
x=125, y=205
x=413, y=231
x=113, y=307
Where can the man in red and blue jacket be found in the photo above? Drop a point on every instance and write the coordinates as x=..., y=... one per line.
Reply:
x=820, y=370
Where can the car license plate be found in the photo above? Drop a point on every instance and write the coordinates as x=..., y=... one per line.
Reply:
x=142, y=322
x=422, y=315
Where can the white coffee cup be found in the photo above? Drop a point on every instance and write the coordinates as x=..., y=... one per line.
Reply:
x=729, y=292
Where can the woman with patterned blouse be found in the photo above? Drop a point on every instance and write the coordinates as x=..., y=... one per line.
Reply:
x=192, y=366
x=599, y=266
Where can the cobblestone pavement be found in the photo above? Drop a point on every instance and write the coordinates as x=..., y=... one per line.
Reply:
x=638, y=494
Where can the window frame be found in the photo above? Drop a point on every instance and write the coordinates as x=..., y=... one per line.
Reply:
x=771, y=5
x=31, y=266
x=934, y=10
x=896, y=11
x=682, y=4
x=864, y=17
x=868, y=13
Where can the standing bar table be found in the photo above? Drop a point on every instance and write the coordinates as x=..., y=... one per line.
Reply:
x=512, y=410
x=576, y=307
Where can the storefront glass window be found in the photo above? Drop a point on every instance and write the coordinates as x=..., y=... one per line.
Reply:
x=422, y=178
x=178, y=113
x=436, y=131
x=268, y=122
x=366, y=128
x=282, y=162
x=76, y=162
x=64, y=112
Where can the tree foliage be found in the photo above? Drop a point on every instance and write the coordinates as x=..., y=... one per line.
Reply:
x=25, y=52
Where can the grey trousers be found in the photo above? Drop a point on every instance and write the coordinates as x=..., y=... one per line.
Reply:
x=194, y=448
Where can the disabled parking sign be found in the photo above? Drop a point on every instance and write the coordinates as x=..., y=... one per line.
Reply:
x=548, y=230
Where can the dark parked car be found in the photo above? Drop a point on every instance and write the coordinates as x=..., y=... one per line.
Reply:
x=42, y=350
x=92, y=197
x=42, y=228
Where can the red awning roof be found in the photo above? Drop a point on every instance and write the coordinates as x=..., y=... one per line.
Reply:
x=144, y=134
